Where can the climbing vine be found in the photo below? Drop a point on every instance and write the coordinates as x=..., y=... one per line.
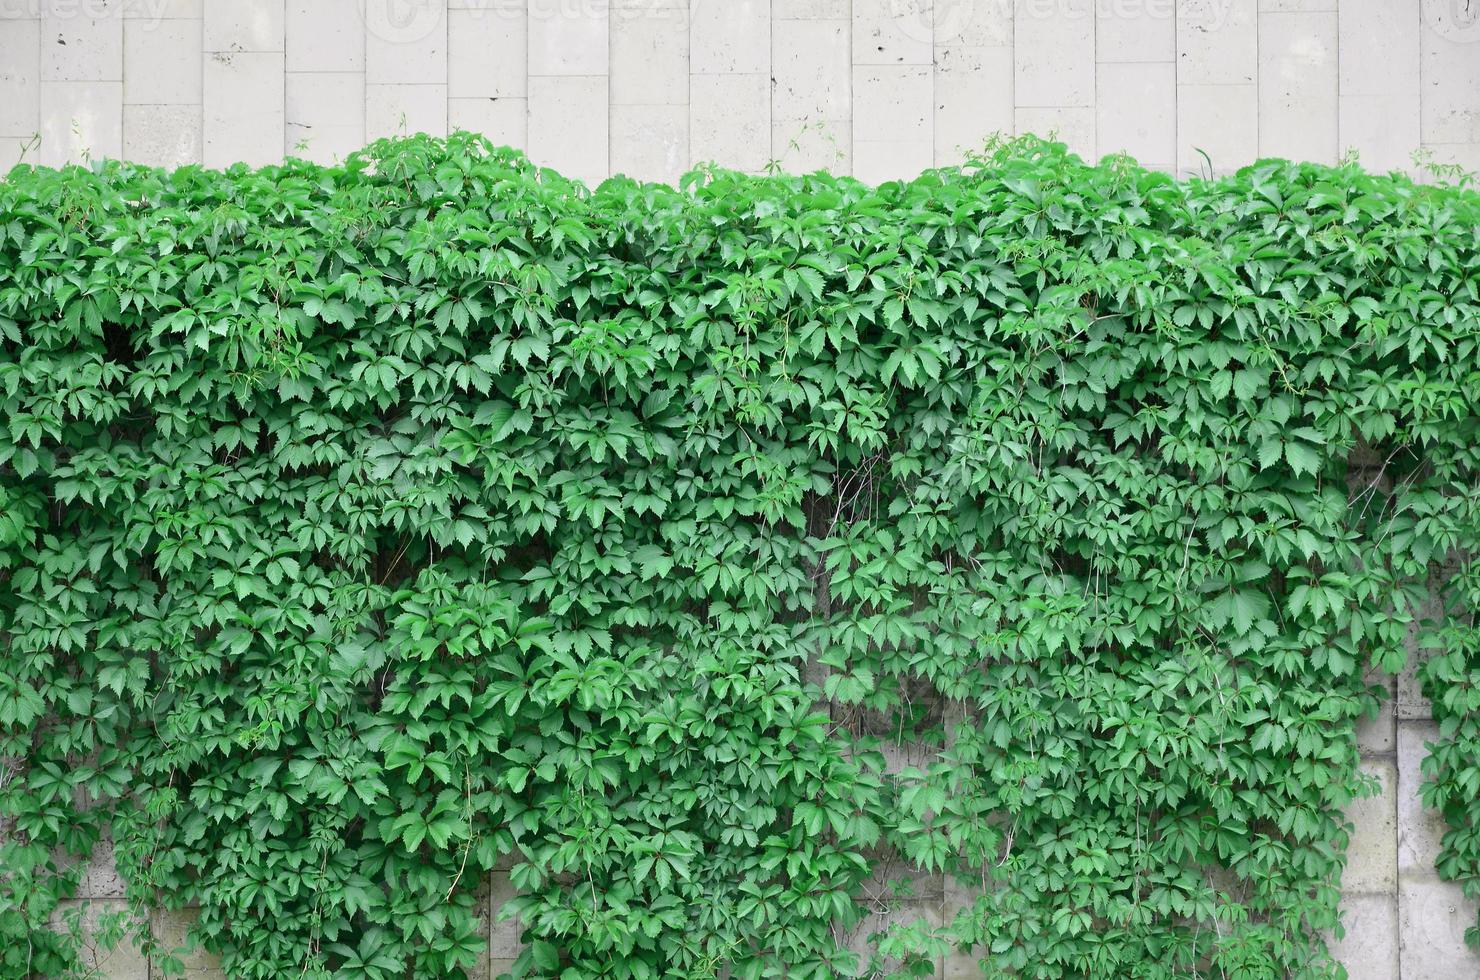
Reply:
x=364, y=527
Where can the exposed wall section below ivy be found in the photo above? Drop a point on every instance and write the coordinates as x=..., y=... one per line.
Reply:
x=366, y=527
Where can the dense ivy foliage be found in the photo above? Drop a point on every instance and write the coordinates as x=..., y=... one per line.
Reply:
x=364, y=527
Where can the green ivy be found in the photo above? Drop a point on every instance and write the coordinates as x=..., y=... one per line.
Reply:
x=364, y=527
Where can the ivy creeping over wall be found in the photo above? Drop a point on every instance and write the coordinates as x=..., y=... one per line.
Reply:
x=365, y=527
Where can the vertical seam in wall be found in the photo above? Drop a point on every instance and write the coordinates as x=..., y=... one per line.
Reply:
x=848, y=80
x=1340, y=151
x=688, y=87
x=934, y=162
x=1094, y=58
x=1418, y=15
x=611, y=128
x=1397, y=832
x=200, y=103
x=446, y=68
x=606, y=7
x=283, y=88
x=122, y=81
x=1176, y=160
x=528, y=89
x=1258, y=95
x=1012, y=76
x=201, y=69
x=364, y=78
x=771, y=88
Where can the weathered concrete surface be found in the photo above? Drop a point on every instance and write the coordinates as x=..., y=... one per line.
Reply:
x=98, y=922
x=1369, y=947
x=881, y=88
x=171, y=928
x=1432, y=920
x=1372, y=856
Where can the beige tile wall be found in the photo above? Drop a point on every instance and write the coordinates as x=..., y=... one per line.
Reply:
x=879, y=88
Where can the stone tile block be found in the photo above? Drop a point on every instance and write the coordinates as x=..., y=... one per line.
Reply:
x=974, y=23
x=1379, y=735
x=650, y=142
x=1217, y=42
x=1450, y=68
x=1137, y=112
x=1383, y=130
x=894, y=103
x=1054, y=54
x=487, y=53
x=165, y=62
x=1297, y=86
x=568, y=39
x=650, y=58
x=1136, y=32
x=100, y=879
x=243, y=108
x=569, y=125
x=1410, y=702
x=1369, y=947
x=811, y=72
x=164, y=9
x=1432, y=918
x=406, y=42
x=20, y=77
x=162, y=135
x=1372, y=853
x=80, y=121
x=1420, y=829
x=1221, y=121
x=973, y=99
x=109, y=937
x=957, y=963
x=887, y=912
x=893, y=32
x=811, y=9
x=482, y=966
x=1071, y=125
x=504, y=121
x=405, y=109
x=244, y=25
x=325, y=35
x=504, y=932
x=1296, y=5
x=731, y=38
x=1378, y=43
x=878, y=161
x=730, y=120
x=324, y=114
x=82, y=42
x=805, y=145
x=172, y=931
